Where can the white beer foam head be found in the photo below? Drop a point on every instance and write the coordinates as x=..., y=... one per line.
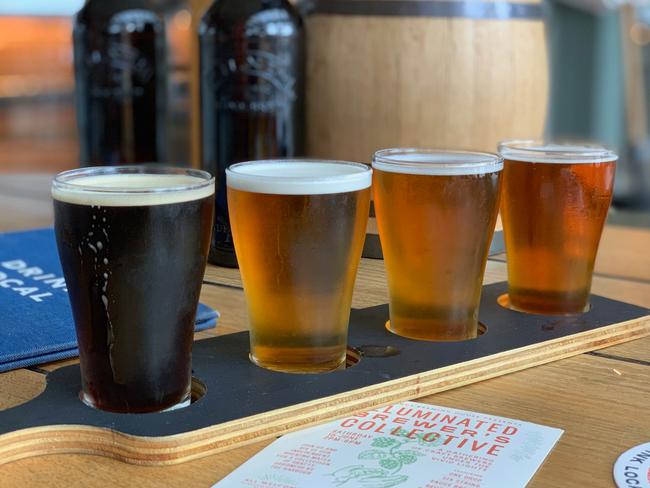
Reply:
x=298, y=177
x=131, y=186
x=534, y=151
x=434, y=162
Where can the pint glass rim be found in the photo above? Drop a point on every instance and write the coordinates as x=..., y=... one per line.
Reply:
x=288, y=184
x=64, y=181
x=567, y=151
x=443, y=162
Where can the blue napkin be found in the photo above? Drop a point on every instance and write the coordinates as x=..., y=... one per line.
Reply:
x=36, y=324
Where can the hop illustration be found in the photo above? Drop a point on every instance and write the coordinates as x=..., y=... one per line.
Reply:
x=406, y=457
x=383, y=442
x=389, y=463
x=391, y=458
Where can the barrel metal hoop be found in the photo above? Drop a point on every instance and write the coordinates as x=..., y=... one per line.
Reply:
x=428, y=8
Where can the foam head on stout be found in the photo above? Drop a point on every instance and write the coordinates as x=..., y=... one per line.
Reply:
x=436, y=212
x=298, y=229
x=555, y=202
x=133, y=243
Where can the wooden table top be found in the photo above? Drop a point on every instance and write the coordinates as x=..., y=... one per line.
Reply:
x=600, y=398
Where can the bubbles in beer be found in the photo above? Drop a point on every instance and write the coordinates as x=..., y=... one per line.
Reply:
x=98, y=247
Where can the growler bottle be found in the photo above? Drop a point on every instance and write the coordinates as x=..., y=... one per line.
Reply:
x=132, y=78
x=252, y=94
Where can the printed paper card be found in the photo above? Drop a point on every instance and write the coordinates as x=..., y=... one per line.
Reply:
x=408, y=445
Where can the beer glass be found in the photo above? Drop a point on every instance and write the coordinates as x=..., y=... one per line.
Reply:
x=436, y=212
x=554, y=206
x=298, y=228
x=133, y=243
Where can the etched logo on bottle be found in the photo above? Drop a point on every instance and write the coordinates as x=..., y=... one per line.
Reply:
x=124, y=65
x=259, y=81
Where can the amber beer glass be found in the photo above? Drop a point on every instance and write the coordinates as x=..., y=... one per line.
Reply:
x=133, y=243
x=554, y=206
x=436, y=212
x=298, y=229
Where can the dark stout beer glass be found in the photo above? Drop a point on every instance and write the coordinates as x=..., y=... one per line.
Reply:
x=298, y=228
x=133, y=243
x=554, y=206
x=436, y=212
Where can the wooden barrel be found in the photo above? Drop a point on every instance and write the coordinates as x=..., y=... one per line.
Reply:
x=453, y=74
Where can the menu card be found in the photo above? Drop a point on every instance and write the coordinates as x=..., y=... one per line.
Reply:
x=404, y=445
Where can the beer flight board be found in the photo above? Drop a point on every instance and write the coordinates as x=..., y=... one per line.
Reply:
x=237, y=403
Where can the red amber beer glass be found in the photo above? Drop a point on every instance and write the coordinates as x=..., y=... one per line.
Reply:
x=133, y=243
x=436, y=212
x=554, y=206
x=298, y=229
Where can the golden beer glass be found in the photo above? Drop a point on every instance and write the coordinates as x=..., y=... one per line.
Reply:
x=298, y=229
x=554, y=206
x=436, y=212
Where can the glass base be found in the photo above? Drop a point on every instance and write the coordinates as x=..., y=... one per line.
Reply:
x=182, y=404
x=430, y=338
x=298, y=368
x=504, y=301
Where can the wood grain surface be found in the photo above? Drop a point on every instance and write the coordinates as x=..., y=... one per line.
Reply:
x=440, y=82
x=600, y=399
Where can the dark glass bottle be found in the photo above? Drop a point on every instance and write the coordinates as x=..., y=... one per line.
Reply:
x=132, y=77
x=252, y=55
